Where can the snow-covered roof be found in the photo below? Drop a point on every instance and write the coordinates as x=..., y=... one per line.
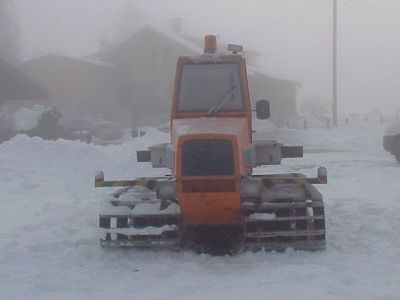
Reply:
x=171, y=35
x=94, y=61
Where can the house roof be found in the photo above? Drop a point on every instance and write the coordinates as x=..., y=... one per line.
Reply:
x=15, y=85
x=152, y=30
x=92, y=61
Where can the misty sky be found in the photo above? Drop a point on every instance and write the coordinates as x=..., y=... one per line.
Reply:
x=297, y=47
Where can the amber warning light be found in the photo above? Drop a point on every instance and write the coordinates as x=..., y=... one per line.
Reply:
x=210, y=44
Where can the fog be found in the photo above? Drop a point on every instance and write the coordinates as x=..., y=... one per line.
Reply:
x=89, y=159
x=293, y=37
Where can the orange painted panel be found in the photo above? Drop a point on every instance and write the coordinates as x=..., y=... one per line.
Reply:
x=210, y=208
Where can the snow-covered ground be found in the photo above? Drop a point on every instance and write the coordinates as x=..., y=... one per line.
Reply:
x=48, y=227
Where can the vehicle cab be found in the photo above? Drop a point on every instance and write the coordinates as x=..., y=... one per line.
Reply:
x=210, y=126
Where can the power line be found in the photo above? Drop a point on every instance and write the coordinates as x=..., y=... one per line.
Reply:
x=392, y=12
x=279, y=20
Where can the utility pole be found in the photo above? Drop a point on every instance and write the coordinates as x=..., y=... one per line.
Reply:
x=334, y=64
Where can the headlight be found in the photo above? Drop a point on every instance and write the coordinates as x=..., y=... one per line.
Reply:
x=251, y=187
x=166, y=189
x=322, y=172
x=322, y=175
x=99, y=176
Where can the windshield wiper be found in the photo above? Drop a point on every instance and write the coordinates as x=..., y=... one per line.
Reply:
x=228, y=95
x=213, y=110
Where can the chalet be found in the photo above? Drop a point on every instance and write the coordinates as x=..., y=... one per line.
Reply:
x=78, y=88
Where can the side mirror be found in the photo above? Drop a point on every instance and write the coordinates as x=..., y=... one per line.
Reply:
x=262, y=109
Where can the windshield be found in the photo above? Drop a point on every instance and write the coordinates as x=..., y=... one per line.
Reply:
x=210, y=87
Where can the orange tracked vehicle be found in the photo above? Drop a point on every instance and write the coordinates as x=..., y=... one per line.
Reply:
x=212, y=201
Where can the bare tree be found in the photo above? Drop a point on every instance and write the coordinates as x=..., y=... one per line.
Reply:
x=316, y=109
x=9, y=32
x=103, y=42
x=130, y=20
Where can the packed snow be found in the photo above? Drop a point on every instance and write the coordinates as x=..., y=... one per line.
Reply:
x=150, y=230
x=49, y=245
x=262, y=216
